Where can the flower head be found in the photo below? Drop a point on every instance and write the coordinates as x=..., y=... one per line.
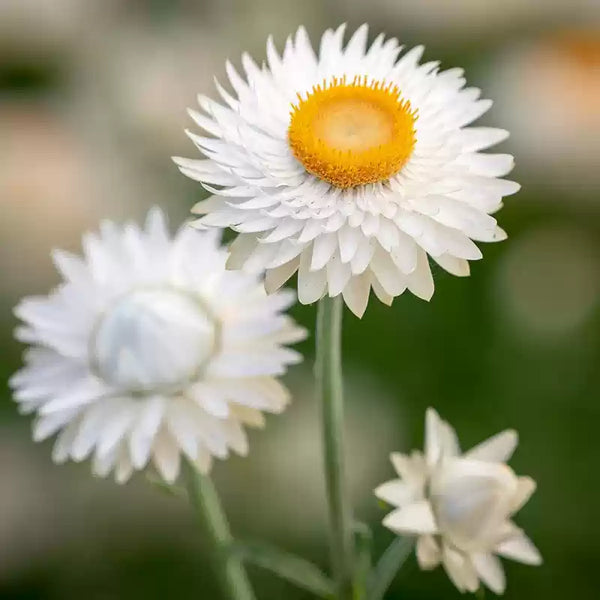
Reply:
x=460, y=506
x=149, y=348
x=349, y=166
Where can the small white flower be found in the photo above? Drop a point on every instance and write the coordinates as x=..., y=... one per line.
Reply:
x=349, y=166
x=149, y=349
x=460, y=506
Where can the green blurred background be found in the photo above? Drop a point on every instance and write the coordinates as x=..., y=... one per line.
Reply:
x=92, y=105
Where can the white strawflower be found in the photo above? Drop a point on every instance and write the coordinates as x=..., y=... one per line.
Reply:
x=349, y=167
x=460, y=506
x=150, y=349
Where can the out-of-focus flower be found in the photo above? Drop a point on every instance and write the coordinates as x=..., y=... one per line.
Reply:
x=41, y=27
x=548, y=93
x=459, y=506
x=145, y=75
x=145, y=352
x=472, y=18
x=46, y=187
x=58, y=176
x=548, y=281
x=349, y=167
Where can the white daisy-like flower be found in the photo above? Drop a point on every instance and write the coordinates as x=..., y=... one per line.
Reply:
x=460, y=506
x=150, y=349
x=349, y=166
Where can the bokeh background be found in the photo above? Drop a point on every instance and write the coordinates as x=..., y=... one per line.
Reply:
x=92, y=105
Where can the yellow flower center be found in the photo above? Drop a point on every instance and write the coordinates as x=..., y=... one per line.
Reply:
x=352, y=134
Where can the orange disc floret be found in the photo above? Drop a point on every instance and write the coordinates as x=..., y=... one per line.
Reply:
x=352, y=134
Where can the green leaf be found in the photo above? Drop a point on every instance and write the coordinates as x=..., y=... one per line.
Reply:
x=294, y=569
x=387, y=567
x=363, y=542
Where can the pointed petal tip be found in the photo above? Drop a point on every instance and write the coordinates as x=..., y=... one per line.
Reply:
x=499, y=235
x=498, y=448
x=357, y=312
x=526, y=487
x=432, y=414
x=377, y=491
x=381, y=490
x=513, y=434
x=271, y=288
x=413, y=519
x=521, y=549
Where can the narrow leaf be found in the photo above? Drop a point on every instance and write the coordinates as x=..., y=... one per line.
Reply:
x=290, y=567
x=388, y=565
x=363, y=541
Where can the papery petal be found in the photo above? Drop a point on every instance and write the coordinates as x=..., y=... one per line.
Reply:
x=498, y=448
x=429, y=553
x=460, y=570
x=520, y=548
x=414, y=519
x=490, y=571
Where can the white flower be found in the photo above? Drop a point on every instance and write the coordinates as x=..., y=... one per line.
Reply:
x=460, y=506
x=149, y=349
x=349, y=167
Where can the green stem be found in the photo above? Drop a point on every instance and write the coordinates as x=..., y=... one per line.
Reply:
x=329, y=382
x=388, y=566
x=229, y=569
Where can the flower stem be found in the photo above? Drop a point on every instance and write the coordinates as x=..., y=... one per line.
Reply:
x=329, y=381
x=229, y=569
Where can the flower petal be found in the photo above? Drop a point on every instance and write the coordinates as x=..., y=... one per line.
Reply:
x=459, y=569
x=525, y=488
x=414, y=519
x=429, y=554
x=498, y=448
x=356, y=294
x=395, y=492
x=520, y=548
x=490, y=571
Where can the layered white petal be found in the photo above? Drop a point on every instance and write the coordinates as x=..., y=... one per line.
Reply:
x=438, y=202
x=396, y=492
x=460, y=569
x=428, y=552
x=414, y=519
x=472, y=499
x=498, y=448
x=460, y=506
x=441, y=441
x=145, y=352
x=525, y=488
x=519, y=547
x=489, y=569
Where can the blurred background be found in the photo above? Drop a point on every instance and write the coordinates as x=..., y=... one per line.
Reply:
x=92, y=105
